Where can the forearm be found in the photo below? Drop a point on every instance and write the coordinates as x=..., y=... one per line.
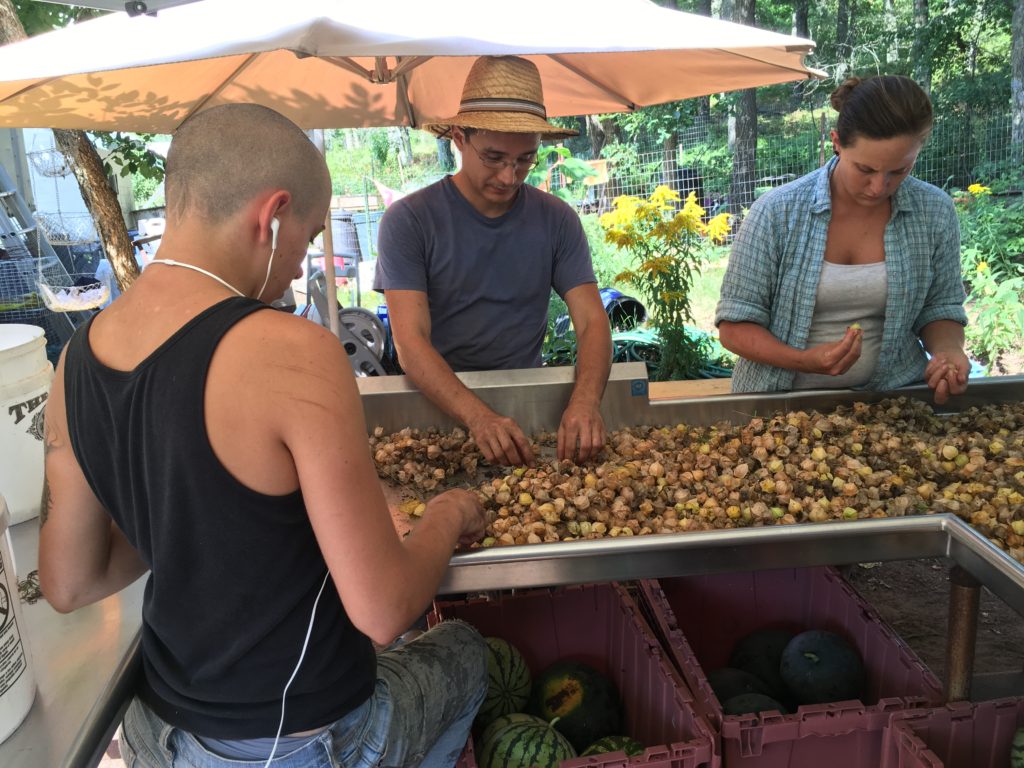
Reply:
x=114, y=565
x=593, y=362
x=943, y=336
x=756, y=343
x=436, y=380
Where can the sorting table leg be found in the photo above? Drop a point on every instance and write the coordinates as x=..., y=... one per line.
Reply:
x=964, y=597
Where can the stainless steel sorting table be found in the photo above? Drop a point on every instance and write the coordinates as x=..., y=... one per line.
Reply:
x=85, y=662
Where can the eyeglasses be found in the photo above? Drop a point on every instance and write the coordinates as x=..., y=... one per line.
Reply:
x=522, y=165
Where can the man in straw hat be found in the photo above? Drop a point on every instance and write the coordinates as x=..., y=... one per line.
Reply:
x=467, y=266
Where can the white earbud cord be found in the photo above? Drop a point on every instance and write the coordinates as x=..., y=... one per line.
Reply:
x=221, y=280
x=302, y=655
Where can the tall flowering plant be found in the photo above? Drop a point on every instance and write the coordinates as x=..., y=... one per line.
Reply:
x=665, y=241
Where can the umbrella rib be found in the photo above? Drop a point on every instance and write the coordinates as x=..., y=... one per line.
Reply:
x=403, y=94
x=787, y=67
x=224, y=84
x=27, y=88
x=344, y=62
x=628, y=103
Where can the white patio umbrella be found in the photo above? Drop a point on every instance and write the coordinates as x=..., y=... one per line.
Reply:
x=333, y=63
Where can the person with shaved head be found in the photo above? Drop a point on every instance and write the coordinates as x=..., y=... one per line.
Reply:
x=197, y=435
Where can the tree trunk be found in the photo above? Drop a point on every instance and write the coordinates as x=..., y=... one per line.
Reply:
x=842, y=39
x=703, y=8
x=1017, y=80
x=596, y=134
x=92, y=179
x=801, y=19
x=892, y=48
x=445, y=158
x=744, y=160
x=102, y=203
x=405, y=144
x=921, y=50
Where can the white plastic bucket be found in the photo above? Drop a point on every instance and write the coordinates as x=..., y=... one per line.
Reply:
x=22, y=352
x=17, y=684
x=25, y=378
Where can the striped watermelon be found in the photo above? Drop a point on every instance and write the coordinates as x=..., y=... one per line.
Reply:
x=508, y=682
x=631, y=747
x=526, y=742
x=499, y=724
x=1017, y=749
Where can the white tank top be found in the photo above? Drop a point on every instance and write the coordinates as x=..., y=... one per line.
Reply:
x=847, y=294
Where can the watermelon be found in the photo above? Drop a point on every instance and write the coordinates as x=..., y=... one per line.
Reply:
x=508, y=682
x=631, y=747
x=499, y=724
x=1017, y=749
x=760, y=653
x=525, y=742
x=820, y=667
x=727, y=682
x=585, y=702
x=751, y=703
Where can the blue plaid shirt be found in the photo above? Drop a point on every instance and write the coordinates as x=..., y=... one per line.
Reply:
x=772, y=277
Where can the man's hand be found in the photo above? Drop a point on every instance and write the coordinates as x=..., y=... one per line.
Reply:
x=500, y=439
x=834, y=358
x=581, y=434
x=947, y=373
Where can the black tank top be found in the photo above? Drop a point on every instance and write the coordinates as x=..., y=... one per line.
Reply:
x=234, y=573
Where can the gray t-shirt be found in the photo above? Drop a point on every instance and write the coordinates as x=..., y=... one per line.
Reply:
x=488, y=281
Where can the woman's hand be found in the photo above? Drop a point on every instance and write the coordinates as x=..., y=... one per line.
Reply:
x=946, y=374
x=834, y=358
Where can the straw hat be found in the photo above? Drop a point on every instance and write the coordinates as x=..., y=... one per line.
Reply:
x=502, y=93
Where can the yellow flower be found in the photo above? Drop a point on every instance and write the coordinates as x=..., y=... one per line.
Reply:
x=718, y=227
x=692, y=207
x=662, y=196
x=657, y=265
x=978, y=190
x=982, y=266
x=688, y=219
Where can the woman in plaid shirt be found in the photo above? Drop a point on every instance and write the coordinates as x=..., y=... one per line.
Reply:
x=849, y=275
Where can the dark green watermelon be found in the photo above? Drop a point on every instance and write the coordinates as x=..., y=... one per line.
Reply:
x=751, y=703
x=526, y=742
x=820, y=667
x=1017, y=749
x=760, y=654
x=586, y=703
x=508, y=681
x=631, y=747
x=727, y=682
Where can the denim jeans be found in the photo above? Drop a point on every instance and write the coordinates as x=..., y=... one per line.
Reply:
x=426, y=696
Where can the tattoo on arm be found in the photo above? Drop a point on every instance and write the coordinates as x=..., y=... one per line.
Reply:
x=51, y=441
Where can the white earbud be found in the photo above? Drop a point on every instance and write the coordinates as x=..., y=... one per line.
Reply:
x=275, y=225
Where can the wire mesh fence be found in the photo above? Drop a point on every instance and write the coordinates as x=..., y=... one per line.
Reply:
x=963, y=148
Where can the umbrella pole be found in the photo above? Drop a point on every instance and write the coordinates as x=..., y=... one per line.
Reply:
x=331, y=283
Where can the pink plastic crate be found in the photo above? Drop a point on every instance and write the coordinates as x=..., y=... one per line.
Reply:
x=701, y=618
x=959, y=735
x=600, y=625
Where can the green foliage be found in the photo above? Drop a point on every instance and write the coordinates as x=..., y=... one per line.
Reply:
x=553, y=161
x=630, y=171
x=354, y=157
x=380, y=147
x=146, y=192
x=128, y=155
x=37, y=17
x=992, y=260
